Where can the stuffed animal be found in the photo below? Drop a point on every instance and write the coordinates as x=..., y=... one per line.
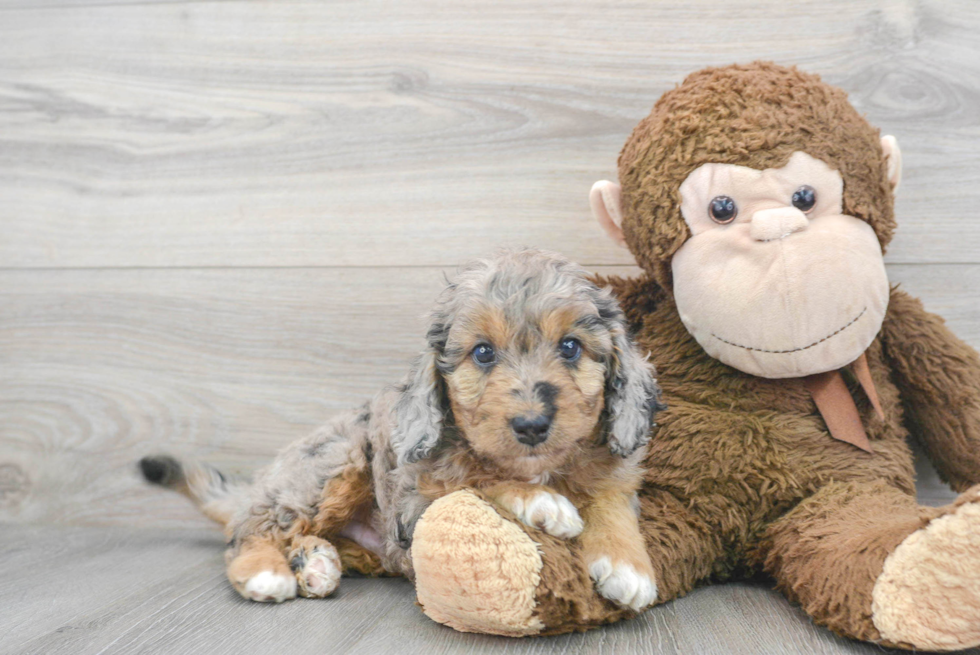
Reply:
x=758, y=203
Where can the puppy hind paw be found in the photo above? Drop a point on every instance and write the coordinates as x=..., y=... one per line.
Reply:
x=317, y=568
x=270, y=587
x=623, y=584
x=552, y=513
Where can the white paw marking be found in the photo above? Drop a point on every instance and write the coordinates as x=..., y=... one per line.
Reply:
x=321, y=574
x=623, y=584
x=269, y=587
x=550, y=512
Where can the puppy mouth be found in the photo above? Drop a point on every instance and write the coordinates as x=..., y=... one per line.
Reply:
x=532, y=467
x=535, y=456
x=538, y=456
x=801, y=348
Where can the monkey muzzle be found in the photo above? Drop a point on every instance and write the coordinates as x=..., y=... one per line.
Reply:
x=782, y=297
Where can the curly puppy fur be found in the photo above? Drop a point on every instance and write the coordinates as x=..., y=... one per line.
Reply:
x=349, y=495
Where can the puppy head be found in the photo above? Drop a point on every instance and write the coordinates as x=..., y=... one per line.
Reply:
x=532, y=362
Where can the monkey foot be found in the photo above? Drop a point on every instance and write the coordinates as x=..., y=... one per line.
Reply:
x=928, y=594
x=475, y=571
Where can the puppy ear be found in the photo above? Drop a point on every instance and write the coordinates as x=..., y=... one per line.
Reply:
x=420, y=410
x=633, y=396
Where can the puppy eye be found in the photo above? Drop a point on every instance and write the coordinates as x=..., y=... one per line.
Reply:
x=805, y=198
x=722, y=209
x=570, y=349
x=484, y=354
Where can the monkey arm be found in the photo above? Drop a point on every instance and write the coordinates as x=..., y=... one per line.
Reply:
x=938, y=376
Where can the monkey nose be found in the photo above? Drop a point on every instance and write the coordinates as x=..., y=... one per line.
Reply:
x=778, y=223
x=531, y=430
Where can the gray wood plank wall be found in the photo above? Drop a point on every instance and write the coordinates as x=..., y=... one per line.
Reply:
x=220, y=222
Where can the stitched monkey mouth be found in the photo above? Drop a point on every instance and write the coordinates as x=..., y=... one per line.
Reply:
x=795, y=350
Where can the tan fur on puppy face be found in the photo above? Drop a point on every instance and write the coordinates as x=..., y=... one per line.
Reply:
x=457, y=421
x=484, y=400
x=524, y=304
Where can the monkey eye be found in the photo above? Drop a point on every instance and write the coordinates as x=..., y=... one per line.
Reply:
x=570, y=349
x=805, y=198
x=722, y=209
x=484, y=354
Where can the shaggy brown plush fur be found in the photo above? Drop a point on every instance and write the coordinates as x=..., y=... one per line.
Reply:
x=742, y=476
x=755, y=115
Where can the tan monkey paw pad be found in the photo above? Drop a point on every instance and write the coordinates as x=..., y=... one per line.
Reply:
x=928, y=594
x=475, y=571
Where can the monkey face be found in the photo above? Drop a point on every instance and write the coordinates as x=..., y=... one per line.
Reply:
x=775, y=279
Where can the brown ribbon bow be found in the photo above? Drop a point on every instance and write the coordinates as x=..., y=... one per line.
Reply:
x=834, y=401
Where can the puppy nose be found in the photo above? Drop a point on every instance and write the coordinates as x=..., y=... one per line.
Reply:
x=778, y=223
x=531, y=430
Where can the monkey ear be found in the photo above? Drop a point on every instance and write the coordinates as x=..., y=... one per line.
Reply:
x=605, y=199
x=418, y=413
x=633, y=396
x=893, y=159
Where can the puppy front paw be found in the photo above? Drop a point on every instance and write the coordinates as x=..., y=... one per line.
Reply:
x=623, y=584
x=550, y=512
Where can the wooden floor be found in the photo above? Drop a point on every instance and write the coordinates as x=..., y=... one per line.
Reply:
x=86, y=590
x=221, y=222
x=82, y=591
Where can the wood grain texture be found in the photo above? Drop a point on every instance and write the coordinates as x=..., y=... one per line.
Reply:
x=100, y=367
x=82, y=591
x=378, y=133
x=222, y=221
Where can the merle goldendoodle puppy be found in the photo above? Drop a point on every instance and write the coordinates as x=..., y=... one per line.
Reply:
x=529, y=390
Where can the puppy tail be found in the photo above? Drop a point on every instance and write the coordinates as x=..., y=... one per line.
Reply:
x=216, y=496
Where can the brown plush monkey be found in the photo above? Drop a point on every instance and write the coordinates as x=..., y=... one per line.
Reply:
x=759, y=202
